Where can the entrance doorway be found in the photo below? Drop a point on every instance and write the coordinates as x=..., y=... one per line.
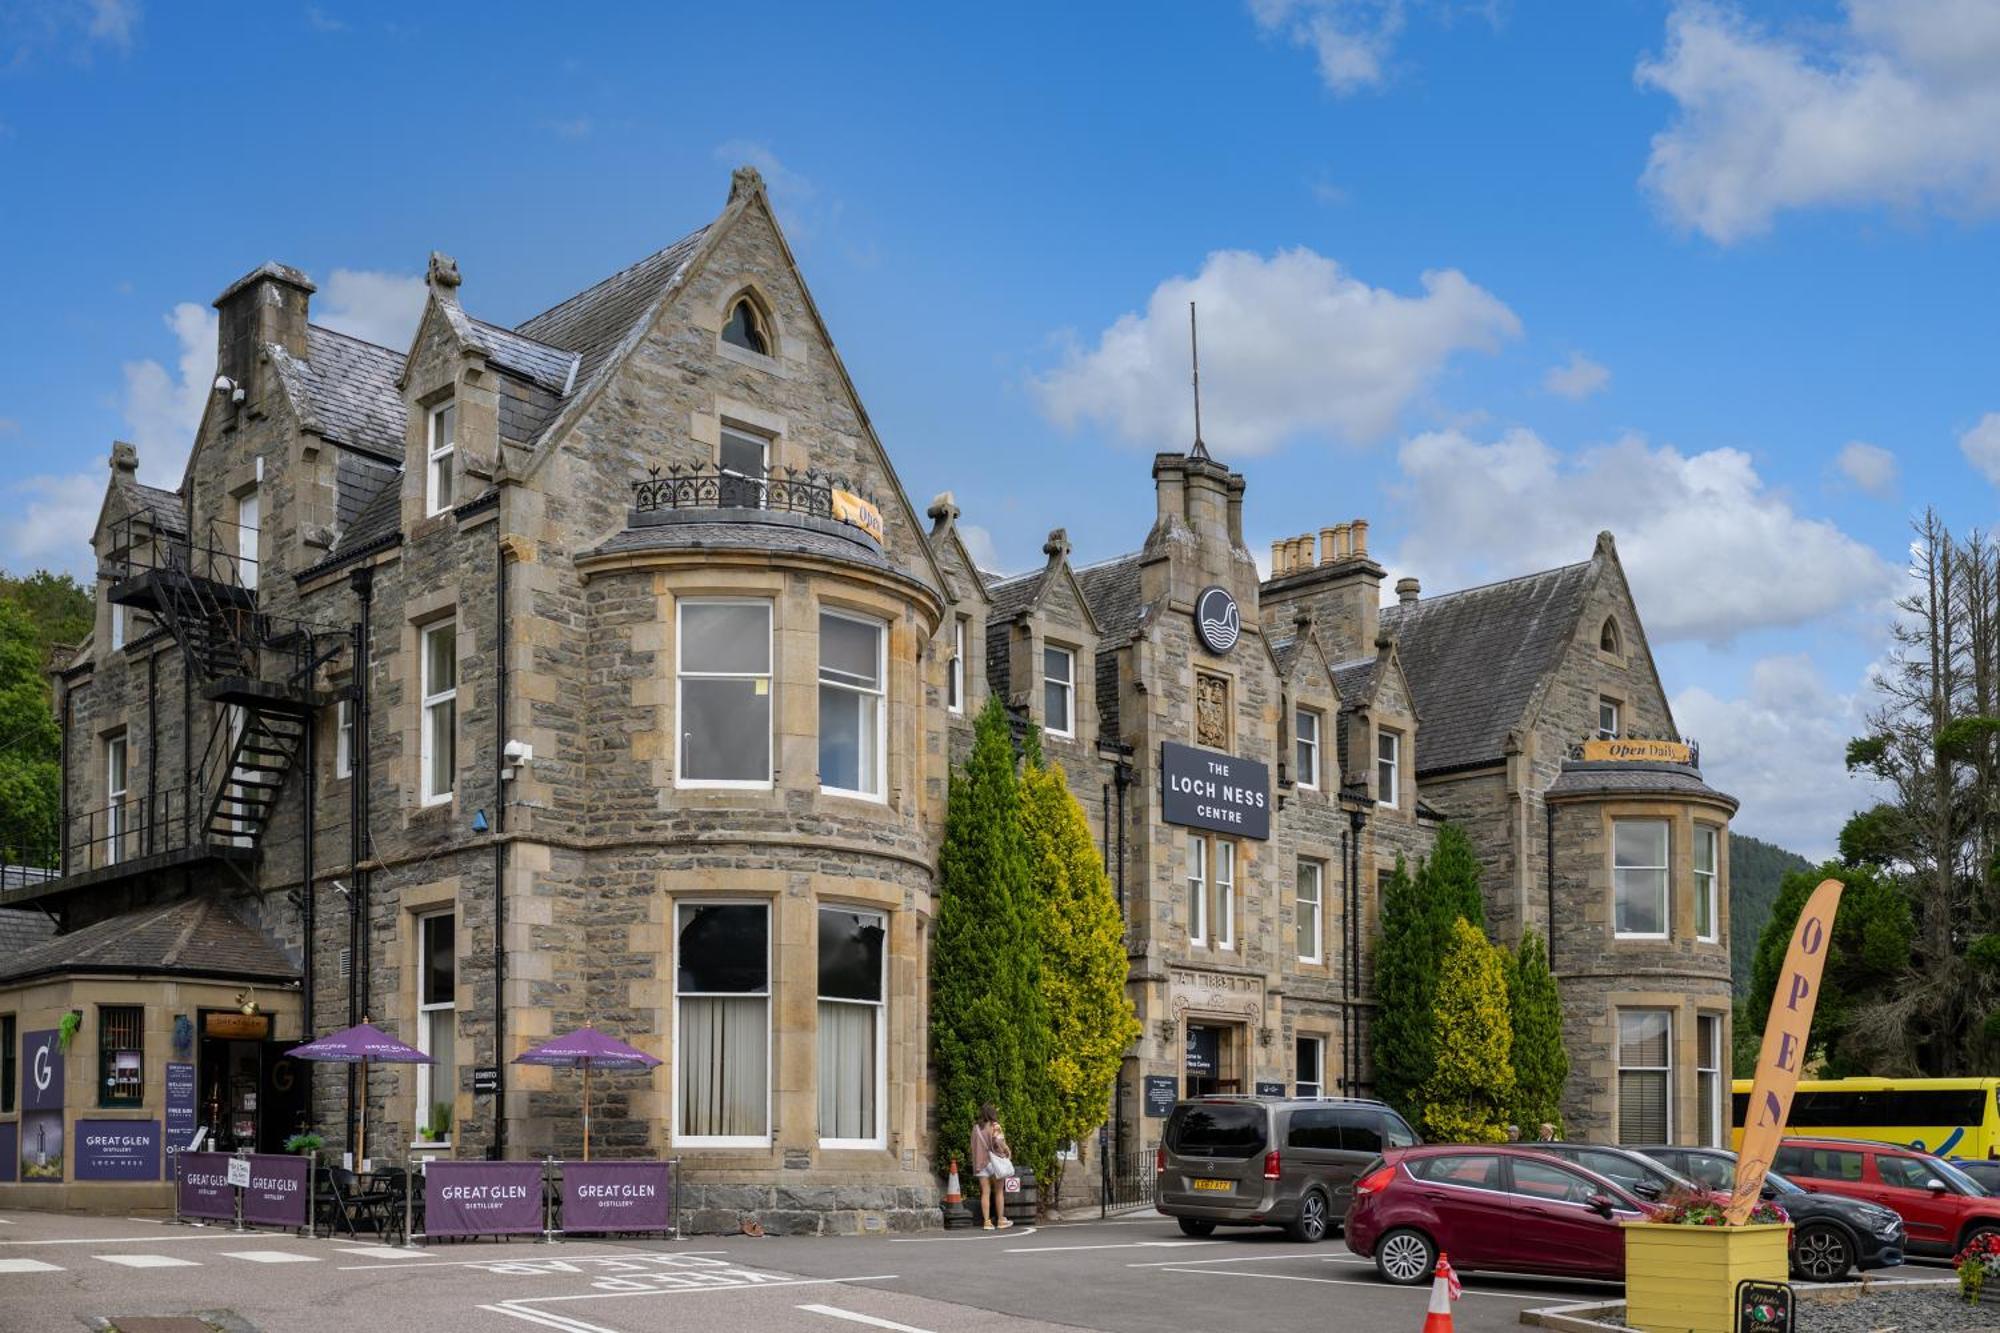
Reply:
x=1213, y=1059
x=252, y=1095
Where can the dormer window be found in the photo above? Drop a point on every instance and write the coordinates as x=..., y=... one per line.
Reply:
x=745, y=329
x=1607, y=637
x=443, y=433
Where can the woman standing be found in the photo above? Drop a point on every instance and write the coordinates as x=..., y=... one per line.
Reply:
x=991, y=1165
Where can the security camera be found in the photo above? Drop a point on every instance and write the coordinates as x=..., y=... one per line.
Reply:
x=223, y=384
x=518, y=752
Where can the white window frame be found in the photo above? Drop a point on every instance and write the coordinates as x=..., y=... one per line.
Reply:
x=1616, y=729
x=434, y=702
x=1618, y=1054
x=117, y=627
x=1393, y=762
x=728, y=479
x=880, y=1138
x=1318, y=1045
x=765, y=1139
x=1068, y=731
x=954, y=683
x=770, y=688
x=438, y=459
x=117, y=787
x=427, y=1074
x=1316, y=872
x=249, y=525
x=1708, y=1065
x=1707, y=884
x=1197, y=886
x=1306, y=749
x=343, y=738
x=1665, y=872
x=880, y=791
x=1223, y=876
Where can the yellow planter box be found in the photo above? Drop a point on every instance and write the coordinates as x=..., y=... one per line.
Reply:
x=1683, y=1279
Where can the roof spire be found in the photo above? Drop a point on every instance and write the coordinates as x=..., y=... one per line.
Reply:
x=1199, y=450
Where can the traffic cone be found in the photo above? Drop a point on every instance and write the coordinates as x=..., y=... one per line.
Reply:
x=951, y=1192
x=1444, y=1290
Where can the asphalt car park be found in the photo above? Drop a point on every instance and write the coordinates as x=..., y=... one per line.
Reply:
x=1135, y=1273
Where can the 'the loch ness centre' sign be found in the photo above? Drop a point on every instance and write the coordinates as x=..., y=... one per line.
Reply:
x=1206, y=789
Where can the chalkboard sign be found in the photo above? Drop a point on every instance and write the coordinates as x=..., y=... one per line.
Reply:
x=485, y=1080
x=1270, y=1089
x=1763, y=1307
x=1162, y=1091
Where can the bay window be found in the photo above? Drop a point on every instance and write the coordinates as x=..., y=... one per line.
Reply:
x=722, y=1024
x=1645, y=1075
x=1639, y=879
x=853, y=988
x=1714, y=1130
x=1707, y=866
x=723, y=697
x=851, y=722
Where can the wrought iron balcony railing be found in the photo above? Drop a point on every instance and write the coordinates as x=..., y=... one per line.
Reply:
x=804, y=491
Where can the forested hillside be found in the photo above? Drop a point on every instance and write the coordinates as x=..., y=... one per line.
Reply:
x=37, y=613
x=1755, y=869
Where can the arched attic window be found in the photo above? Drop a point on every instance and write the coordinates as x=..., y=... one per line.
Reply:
x=745, y=328
x=1607, y=637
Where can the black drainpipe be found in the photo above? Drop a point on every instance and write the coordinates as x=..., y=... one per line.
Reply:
x=363, y=583
x=1105, y=852
x=308, y=837
x=1549, y=927
x=154, y=813
x=1123, y=774
x=1352, y=846
x=500, y=844
x=63, y=813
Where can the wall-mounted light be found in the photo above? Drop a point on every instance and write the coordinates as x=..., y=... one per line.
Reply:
x=479, y=824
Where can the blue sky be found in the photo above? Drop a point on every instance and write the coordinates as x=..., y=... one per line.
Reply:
x=1493, y=276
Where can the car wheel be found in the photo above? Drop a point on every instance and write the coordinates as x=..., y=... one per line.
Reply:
x=1975, y=1234
x=1823, y=1253
x=1313, y=1221
x=1195, y=1226
x=1405, y=1257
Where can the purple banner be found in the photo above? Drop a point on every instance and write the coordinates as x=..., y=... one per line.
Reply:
x=42, y=1146
x=204, y=1187
x=117, y=1150
x=41, y=1071
x=482, y=1198
x=10, y=1151
x=277, y=1193
x=617, y=1196
x=180, y=1111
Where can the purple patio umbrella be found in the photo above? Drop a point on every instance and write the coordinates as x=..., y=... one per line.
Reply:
x=586, y=1047
x=357, y=1046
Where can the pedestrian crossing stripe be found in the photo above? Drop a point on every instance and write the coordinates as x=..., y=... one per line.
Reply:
x=147, y=1260
x=270, y=1256
x=28, y=1266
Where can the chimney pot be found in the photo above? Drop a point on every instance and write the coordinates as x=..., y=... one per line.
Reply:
x=1407, y=591
x=1340, y=541
x=1277, y=559
x=1359, y=531
x=1328, y=548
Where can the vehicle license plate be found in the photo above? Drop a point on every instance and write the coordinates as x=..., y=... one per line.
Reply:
x=1218, y=1186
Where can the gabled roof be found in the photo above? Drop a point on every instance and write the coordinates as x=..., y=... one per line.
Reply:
x=1111, y=587
x=163, y=507
x=349, y=391
x=550, y=368
x=1008, y=597
x=1475, y=658
x=193, y=937
x=22, y=928
x=1355, y=683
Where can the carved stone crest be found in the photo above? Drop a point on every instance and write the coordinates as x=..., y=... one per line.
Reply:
x=1211, y=712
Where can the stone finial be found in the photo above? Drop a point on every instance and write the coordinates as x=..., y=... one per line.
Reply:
x=443, y=271
x=944, y=509
x=1302, y=620
x=1057, y=546
x=1408, y=590
x=1384, y=641
x=744, y=181
x=1606, y=544
x=124, y=458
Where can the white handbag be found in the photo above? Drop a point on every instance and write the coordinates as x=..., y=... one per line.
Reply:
x=998, y=1165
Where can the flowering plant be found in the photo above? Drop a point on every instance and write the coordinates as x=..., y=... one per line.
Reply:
x=1700, y=1208
x=1977, y=1263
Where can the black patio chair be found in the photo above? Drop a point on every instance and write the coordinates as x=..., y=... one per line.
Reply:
x=399, y=1205
x=345, y=1204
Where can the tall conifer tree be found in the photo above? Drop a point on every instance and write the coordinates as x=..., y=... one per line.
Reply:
x=1467, y=1097
x=1405, y=974
x=1541, y=1065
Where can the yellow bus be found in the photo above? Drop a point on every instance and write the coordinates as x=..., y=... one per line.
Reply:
x=1952, y=1117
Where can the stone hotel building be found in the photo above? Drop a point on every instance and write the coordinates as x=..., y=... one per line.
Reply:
x=600, y=670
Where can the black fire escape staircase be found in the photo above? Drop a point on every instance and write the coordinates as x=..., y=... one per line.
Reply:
x=260, y=667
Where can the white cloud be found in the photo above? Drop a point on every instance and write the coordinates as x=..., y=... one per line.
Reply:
x=1981, y=447
x=1781, y=749
x=1899, y=105
x=801, y=210
x=381, y=308
x=162, y=408
x=51, y=521
x=112, y=21
x=1712, y=552
x=1292, y=345
x=1350, y=39
x=1579, y=378
x=75, y=28
x=979, y=544
x=1870, y=467
x=320, y=21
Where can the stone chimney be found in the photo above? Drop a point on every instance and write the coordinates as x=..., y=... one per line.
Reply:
x=1408, y=590
x=266, y=306
x=1341, y=590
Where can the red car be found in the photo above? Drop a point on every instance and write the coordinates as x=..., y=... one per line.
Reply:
x=1498, y=1207
x=1941, y=1206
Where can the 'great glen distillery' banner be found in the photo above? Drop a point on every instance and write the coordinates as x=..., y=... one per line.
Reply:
x=482, y=1198
x=276, y=1196
x=117, y=1150
x=204, y=1187
x=617, y=1196
x=41, y=1107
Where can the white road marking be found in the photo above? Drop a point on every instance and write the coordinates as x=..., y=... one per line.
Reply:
x=1352, y=1282
x=27, y=1266
x=982, y=1237
x=1115, y=1245
x=146, y=1260
x=547, y=1320
x=835, y=1312
x=271, y=1256
x=1293, y=1257
x=155, y=1239
x=526, y=1258
x=705, y=1290
x=387, y=1251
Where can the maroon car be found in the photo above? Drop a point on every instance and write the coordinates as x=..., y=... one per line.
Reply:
x=1499, y=1207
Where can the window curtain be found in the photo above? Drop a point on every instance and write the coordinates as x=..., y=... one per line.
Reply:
x=725, y=1044
x=846, y=1070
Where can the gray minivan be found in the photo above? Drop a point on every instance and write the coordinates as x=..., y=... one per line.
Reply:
x=1269, y=1161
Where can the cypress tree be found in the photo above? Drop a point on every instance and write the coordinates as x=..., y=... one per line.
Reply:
x=1450, y=880
x=1471, y=1086
x=1405, y=973
x=987, y=1019
x=1541, y=1065
x=1083, y=962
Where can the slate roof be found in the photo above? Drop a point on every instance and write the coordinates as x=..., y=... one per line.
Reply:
x=357, y=479
x=22, y=929
x=196, y=936
x=352, y=397
x=163, y=507
x=1664, y=779
x=1112, y=589
x=1010, y=596
x=596, y=322
x=1285, y=652
x=538, y=363
x=1355, y=681
x=1474, y=659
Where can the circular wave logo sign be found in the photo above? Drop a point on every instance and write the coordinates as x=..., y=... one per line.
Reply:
x=1218, y=622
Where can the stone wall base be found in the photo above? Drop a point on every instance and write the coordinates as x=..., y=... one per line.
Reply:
x=807, y=1210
